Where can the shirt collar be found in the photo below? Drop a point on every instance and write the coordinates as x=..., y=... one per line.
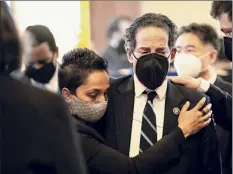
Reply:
x=140, y=88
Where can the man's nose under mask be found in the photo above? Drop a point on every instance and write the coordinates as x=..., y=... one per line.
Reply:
x=188, y=65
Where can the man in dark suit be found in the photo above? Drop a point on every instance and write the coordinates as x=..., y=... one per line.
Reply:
x=36, y=132
x=197, y=49
x=143, y=108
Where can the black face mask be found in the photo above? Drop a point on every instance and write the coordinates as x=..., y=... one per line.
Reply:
x=151, y=70
x=121, y=47
x=42, y=75
x=228, y=47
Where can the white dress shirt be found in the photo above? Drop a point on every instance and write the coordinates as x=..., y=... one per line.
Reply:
x=139, y=105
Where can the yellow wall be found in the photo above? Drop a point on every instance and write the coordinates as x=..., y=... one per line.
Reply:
x=182, y=12
x=85, y=35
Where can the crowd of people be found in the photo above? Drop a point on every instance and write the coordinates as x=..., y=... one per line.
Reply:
x=75, y=118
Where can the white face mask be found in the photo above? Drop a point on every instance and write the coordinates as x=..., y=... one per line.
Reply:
x=188, y=65
x=90, y=112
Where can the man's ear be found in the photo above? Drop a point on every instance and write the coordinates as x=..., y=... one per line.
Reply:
x=213, y=56
x=173, y=54
x=66, y=95
x=56, y=54
x=57, y=51
x=129, y=55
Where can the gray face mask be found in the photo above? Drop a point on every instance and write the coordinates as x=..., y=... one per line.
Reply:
x=90, y=112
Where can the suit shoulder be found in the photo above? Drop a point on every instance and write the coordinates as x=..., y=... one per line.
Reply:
x=116, y=82
x=223, y=85
x=190, y=94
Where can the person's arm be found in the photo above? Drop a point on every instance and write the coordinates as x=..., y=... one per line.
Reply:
x=222, y=106
x=221, y=100
x=209, y=152
x=103, y=159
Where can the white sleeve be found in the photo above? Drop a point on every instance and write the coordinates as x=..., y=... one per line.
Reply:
x=204, y=86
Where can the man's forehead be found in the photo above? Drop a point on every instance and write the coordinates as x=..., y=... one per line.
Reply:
x=188, y=39
x=152, y=36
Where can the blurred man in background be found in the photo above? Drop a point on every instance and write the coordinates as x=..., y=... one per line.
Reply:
x=40, y=58
x=115, y=53
x=197, y=49
x=36, y=130
x=222, y=12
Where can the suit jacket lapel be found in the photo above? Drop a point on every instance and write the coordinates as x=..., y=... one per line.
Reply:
x=174, y=102
x=123, y=110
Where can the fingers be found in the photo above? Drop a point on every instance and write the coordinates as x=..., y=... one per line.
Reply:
x=207, y=108
x=206, y=123
x=179, y=80
x=185, y=107
x=205, y=117
x=200, y=104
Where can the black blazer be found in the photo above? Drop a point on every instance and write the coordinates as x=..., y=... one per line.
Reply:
x=37, y=136
x=102, y=159
x=201, y=150
x=224, y=136
x=221, y=100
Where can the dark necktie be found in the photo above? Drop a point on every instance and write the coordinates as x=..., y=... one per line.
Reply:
x=148, y=130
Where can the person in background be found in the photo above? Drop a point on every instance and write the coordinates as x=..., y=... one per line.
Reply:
x=84, y=82
x=143, y=108
x=36, y=130
x=222, y=12
x=197, y=49
x=40, y=58
x=221, y=100
x=222, y=65
x=115, y=52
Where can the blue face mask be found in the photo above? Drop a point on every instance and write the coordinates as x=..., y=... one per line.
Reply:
x=228, y=47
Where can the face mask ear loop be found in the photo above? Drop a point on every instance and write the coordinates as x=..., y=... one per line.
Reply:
x=134, y=55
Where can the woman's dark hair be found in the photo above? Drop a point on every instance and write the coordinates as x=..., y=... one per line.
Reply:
x=10, y=58
x=76, y=65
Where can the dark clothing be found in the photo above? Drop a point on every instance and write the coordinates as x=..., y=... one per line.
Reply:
x=222, y=106
x=102, y=159
x=37, y=136
x=228, y=77
x=116, y=62
x=201, y=150
x=224, y=136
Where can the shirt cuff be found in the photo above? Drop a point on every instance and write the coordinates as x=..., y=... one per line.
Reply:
x=204, y=86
